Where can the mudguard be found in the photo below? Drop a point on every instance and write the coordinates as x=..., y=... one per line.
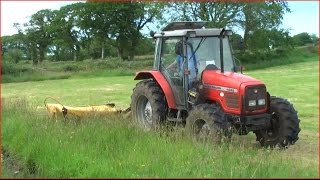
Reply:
x=161, y=80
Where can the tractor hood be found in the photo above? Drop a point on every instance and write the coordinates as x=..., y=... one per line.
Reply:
x=228, y=81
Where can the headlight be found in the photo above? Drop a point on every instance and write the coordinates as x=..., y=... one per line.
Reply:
x=261, y=102
x=252, y=103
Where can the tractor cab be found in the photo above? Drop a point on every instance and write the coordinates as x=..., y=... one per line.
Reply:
x=185, y=49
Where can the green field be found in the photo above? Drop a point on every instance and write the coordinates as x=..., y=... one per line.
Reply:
x=35, y=146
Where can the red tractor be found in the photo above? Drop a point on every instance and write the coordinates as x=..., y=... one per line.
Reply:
x=196, y=82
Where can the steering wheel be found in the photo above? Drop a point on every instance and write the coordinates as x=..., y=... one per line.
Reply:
x=177, y=80
x=164, y=69
x=174, y=76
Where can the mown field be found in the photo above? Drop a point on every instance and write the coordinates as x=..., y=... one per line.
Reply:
x=35, y=146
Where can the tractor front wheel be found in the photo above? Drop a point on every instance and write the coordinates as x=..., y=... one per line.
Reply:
x=284, y=125
x=206, y=124
x=148, y=104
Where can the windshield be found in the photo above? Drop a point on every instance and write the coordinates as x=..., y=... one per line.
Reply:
x=207, y=51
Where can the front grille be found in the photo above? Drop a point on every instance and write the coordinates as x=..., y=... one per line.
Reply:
x=232, y=100
x=255, y=93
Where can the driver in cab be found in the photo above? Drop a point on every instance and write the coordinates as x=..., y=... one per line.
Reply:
x=192, y=58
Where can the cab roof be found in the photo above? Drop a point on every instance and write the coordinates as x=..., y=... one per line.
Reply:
x=183, y=25
x=183, y=28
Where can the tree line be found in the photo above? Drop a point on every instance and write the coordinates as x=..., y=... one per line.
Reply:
x=96, y=30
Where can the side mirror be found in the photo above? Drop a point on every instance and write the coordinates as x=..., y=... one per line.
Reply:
x=239, y=68
x=241, y=45
x=152, y=34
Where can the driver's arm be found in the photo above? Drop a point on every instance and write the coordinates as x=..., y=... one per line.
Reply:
x=172, y=66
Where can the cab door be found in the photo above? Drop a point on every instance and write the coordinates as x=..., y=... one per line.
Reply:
x=170, y=66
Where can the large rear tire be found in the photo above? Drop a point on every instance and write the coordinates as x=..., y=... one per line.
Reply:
x=284, y=125
x=206, y=124
x=148, y=105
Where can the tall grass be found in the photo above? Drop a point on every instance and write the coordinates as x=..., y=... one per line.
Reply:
x=115, y=147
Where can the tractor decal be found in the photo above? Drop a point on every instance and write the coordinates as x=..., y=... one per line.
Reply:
x=221, y=88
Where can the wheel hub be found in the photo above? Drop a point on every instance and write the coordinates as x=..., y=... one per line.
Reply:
x=273, y=132
x=201, y=129
x=148, y=112
x=144, y=110
x=204, y=129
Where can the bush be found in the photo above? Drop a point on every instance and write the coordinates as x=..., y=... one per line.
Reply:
x=71, y=68
x=13, y=69
x=313, y=49
x=281, y=51
x=13, y=55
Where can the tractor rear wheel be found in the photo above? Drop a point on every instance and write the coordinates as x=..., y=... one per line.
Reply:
x=148, y=104
x=284, y=125
x=206, y=124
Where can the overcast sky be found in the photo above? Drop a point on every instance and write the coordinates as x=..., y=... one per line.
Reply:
x=303, y=18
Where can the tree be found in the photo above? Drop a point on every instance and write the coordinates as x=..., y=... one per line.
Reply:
x=265, y=39
x=65, y=34
x=260, y=16
x=97, y=21
x=12, y=42
x=130, y=18
x=302, y=39
x=314, y=38
x=251, y=17
x=281, y=39
x=38, y=33
x=236, y=41
x=218, y=14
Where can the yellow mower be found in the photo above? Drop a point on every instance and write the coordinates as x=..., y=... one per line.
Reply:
x=58, y=110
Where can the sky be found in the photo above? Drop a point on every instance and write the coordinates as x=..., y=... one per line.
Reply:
x=304, y=16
